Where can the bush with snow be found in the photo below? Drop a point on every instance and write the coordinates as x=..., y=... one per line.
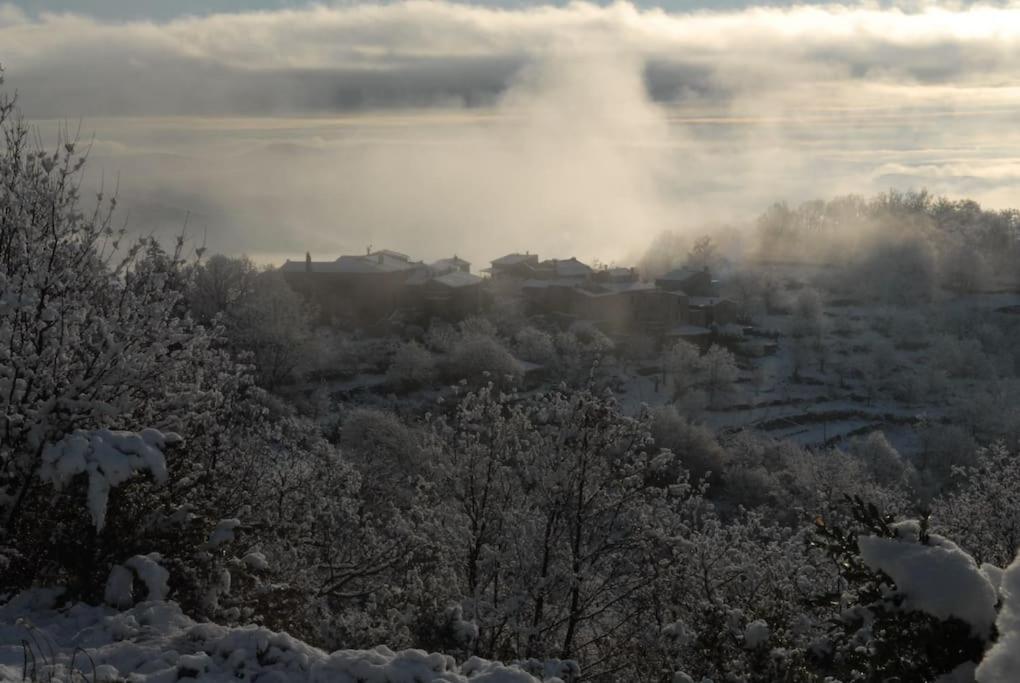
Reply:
x=154, y=642
x=1002, y=663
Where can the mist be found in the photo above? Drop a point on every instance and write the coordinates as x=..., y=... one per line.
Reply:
x=434, y=128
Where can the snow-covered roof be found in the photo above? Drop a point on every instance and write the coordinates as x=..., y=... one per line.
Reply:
x=571, y=267
x=389, y=253
x=514, y=259
x=458, y=278
x=453, y=262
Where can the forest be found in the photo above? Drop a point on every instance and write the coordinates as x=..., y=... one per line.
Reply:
x=200, y=480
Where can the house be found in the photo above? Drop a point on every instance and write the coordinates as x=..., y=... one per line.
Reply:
x=358, y=290
x=450, y=265
x=521, y=267
x=711, y=310
x=454, y=296
x=513, y=266
x=691, y=281
x=567, y=269
x=615, y=274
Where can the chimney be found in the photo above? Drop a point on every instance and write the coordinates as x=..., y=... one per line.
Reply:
x=308, y=261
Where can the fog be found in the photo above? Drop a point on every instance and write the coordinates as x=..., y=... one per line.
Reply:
x=434, y=128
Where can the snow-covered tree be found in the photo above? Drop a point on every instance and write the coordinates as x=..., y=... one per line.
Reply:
x=980, y=513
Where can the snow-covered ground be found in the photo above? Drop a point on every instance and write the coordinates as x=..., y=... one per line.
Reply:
x=154, y=642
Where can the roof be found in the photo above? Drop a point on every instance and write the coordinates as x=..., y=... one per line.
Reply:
x=458, y=279
x=514, y=259
x=454, y=260
x=373, y=263
x=447, y=264
x=391, y=254
x=571, y=267
x=352, y=264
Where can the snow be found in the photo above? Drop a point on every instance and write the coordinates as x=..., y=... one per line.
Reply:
x=120, y=584
x=939, y=579
x=119, y=587
x=154, y=642
x=256, y=560
x=1002, y=663
x=223, y=533
x=109, y=458
x=756, y=634
x=150, y=573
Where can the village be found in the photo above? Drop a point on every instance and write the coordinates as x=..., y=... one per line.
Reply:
x=364, y=291
x=791, y=351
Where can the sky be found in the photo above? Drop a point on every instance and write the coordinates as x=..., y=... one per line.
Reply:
x=276, y=127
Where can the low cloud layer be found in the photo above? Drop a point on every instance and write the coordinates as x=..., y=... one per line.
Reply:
x=435, y=127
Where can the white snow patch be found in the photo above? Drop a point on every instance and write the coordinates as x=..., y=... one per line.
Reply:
x=1002, y=663
x=120, y=584
x=223, y=533
x=256, y=560
x=109, y=458
x=938, y=579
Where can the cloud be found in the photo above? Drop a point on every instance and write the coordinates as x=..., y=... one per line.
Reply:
x=435, y=127
x=421, y=53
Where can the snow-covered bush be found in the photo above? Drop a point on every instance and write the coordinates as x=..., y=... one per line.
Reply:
x=95, y=338
x=155, y=642
x=273, y=325
x=534, y=345
x=413, y=366
x=914, y=606
x=481, y=359
x=695, y=446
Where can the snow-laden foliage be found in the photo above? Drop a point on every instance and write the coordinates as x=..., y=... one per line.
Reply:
x=108, y=458
x=981, y=513
x=93, y=344
x=935, y=577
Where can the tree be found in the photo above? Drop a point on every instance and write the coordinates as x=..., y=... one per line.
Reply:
x=412, y=367
x=273, y=324
x=220, y=285
x=555, y=510
x=981, y=511
x=93, y=338
x=702, y=254
x=720, y=373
